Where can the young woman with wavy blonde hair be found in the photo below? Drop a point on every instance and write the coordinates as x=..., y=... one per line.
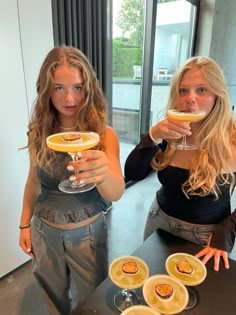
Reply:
x=65, y=233
x=196, y=185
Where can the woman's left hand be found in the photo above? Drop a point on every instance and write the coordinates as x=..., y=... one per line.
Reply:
x=208, y=252
x=93, y=167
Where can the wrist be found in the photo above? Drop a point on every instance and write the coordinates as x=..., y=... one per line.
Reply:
x=24, y=226
x=154, y=140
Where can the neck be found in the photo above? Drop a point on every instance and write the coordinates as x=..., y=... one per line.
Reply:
x=67, y=128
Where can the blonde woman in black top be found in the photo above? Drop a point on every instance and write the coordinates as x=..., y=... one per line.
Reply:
x=196, y=185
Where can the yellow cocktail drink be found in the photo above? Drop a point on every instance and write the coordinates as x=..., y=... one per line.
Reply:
x=172, y=303
x=186, y=116
x=140, y=310
x=72, y=141
x=134, y=279
x=193, y=275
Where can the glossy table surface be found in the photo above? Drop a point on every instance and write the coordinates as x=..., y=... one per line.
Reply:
x=216, y=295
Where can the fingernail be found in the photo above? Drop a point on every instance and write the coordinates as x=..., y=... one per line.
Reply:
x=72, y=178
x=70, y=168
x=28, y=250
x=79, y=154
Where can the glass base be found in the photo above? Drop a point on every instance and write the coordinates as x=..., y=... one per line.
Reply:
x=126, y=298
x=89, y=311
x=192, y=300
x=72, y=188
x=180, y=146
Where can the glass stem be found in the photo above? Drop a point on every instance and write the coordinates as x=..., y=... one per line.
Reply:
x=75, y=158
x=184, y=141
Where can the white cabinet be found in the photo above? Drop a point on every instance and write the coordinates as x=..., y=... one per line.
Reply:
x=25, y=37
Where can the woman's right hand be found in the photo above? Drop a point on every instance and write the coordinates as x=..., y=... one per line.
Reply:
x=170, y=128
x=25, y=241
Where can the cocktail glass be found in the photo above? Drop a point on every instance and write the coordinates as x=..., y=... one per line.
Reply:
x=72, y=143
x=128, y=273
x=189, y=270
x=89, y=311
x=165, y=294
x=189, y=117
x=140, y=310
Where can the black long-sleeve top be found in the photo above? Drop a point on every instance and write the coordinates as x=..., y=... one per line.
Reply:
x=196, y=209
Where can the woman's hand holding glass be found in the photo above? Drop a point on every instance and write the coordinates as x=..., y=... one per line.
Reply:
x=170, y=129
x=93, y=167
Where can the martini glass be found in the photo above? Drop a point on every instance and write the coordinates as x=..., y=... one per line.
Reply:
x=189, y=117
x=189, y=270
x=165, y=294
x=89, y=311
x=128, y=273
x=140, y=310
x=72, y=143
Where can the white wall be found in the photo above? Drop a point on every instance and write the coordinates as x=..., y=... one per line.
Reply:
x=25, y=37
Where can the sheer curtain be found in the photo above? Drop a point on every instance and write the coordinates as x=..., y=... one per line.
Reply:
x=87, y=25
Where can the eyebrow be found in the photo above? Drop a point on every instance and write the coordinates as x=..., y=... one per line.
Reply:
x=79, y=83
x=198, y=85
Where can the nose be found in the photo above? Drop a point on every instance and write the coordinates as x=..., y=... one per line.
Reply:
x=191, y=99
x=69, y=96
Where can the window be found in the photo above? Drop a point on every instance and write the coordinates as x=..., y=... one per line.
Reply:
x=144, y=61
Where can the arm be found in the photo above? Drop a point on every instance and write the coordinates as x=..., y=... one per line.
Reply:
x=137, y=165
x=224, y=235
x=112, y=185
x=31, y=192
x=102, y=167
x=221, y=242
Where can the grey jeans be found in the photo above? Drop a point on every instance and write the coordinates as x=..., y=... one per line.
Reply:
x=158, y=219
x=61, y=256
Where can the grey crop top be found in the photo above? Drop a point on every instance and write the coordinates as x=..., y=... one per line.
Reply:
x=61, y=208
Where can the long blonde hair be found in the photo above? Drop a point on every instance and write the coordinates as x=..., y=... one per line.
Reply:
x=91, y=114
x=215, y=138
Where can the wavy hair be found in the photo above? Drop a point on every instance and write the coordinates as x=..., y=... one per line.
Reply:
x=91, y=114
x=215, y=138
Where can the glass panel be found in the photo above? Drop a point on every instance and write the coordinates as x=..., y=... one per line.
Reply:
x=174, y=32
x=175, y=22
x=128, y=21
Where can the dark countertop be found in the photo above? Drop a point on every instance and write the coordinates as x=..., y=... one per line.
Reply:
x=216, y=295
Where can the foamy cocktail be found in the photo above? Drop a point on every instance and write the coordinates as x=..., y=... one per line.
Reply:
x=189, y=270
x=72, y=143
x=165, y=294
x=128, y=273
x=189, y=117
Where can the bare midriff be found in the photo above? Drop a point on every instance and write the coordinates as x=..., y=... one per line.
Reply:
x=71, y=226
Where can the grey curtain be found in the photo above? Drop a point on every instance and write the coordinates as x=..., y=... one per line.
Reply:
x=87, y=25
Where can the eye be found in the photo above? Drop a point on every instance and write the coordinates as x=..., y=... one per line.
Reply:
x=183, y=91
x=202, y=90
x=78, y=88
x=59, y=88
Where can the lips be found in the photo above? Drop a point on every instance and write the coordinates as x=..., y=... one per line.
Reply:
x=70, y=108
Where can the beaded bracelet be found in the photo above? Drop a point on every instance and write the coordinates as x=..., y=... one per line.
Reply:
x=24, y=227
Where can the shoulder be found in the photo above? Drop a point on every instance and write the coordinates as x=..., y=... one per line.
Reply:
x=110, y=132
x=109, y=137
x=233, y=149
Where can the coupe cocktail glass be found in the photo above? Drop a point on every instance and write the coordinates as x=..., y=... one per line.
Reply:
x=128, y=273
x=189, y=270
x=189, y=117
x=140, y=310
x=165, y=294
x=72, y=143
